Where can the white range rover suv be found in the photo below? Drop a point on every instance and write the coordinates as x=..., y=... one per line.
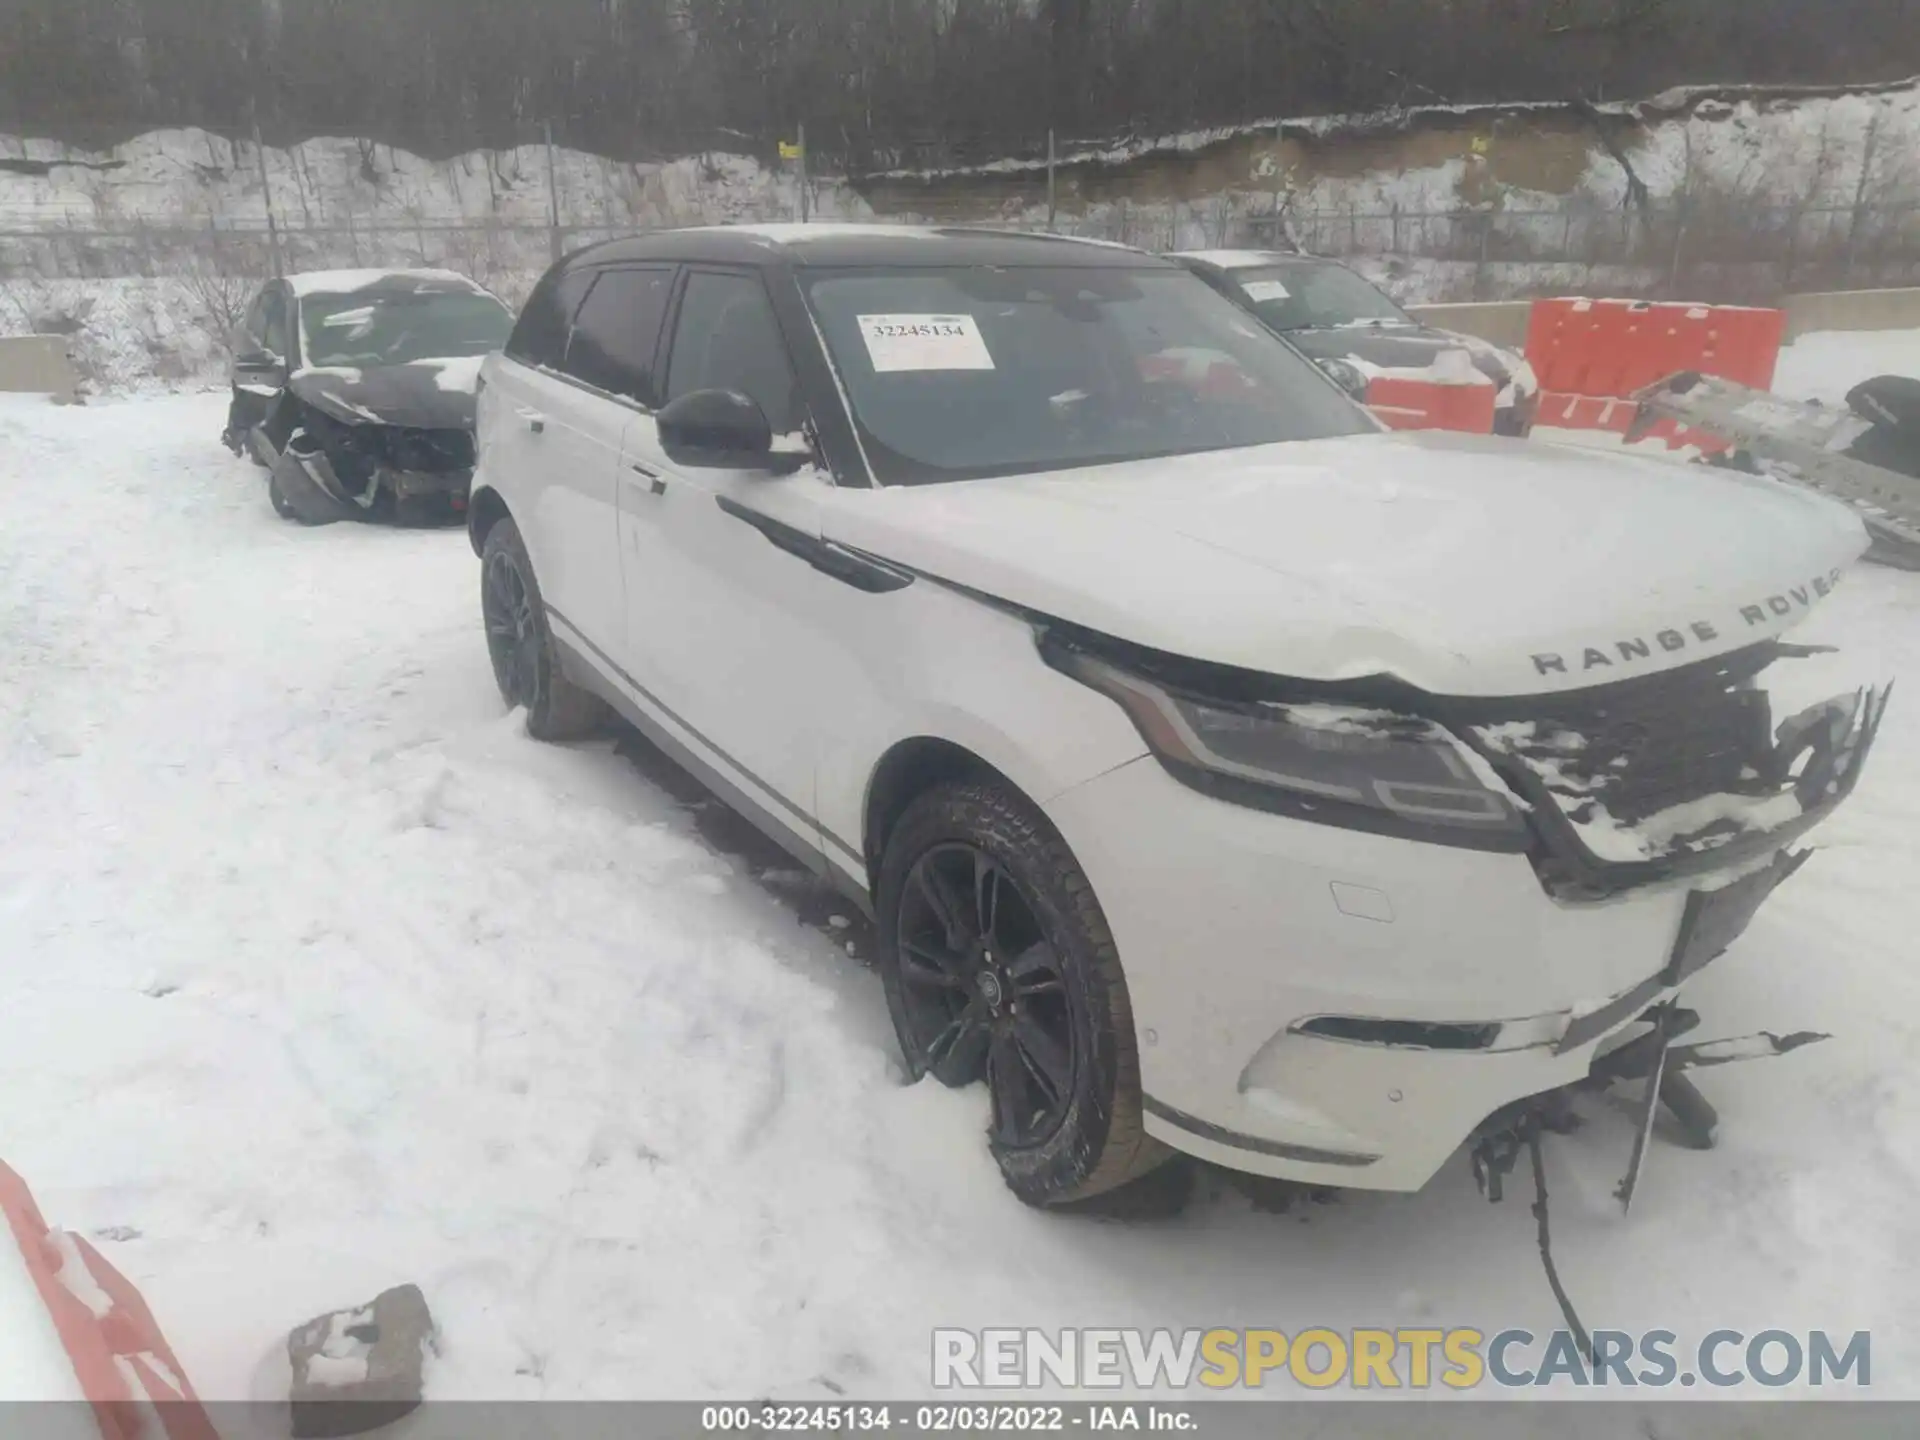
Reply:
x=1225, y=774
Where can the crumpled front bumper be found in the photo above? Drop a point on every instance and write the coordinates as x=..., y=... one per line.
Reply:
x=1240, y=930
x=452, y=485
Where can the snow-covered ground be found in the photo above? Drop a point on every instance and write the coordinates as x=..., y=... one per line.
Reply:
x=319, y=976
x=1826, y=366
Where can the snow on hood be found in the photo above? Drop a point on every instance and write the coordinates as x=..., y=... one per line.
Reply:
x=1464, y=565
x=352, y=282
x=456, y=377
x=424, y=395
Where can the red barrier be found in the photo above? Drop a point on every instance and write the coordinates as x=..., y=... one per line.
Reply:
x=1590, y=355
x=123, y=1363
x=1429, y=405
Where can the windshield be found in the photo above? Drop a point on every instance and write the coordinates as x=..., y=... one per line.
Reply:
x=962, y=372
x=362, y=329
x=1311, y=297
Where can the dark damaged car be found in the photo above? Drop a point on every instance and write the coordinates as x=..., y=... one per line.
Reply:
x=355, y=390
x=1356, y=333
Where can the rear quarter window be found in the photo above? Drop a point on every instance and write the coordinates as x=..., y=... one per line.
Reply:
x=617, y=331
x=546, y=323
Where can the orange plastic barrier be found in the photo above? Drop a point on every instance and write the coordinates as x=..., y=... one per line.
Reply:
x=1429, y=405
x=123, y=1363
x=1590, y=355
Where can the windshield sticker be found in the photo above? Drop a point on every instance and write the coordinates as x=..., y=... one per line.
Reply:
x=899, y=343
x=1260, y=291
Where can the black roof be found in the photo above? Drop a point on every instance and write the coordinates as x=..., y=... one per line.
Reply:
x=829, y=245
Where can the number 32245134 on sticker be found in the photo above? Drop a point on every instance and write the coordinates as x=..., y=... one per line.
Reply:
x=898, y=343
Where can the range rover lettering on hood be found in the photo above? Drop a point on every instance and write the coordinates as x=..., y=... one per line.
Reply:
x=1796, y=600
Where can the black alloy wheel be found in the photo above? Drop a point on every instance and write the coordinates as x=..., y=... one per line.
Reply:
x=513, y=639
x=999, y=966
x=526, y=664
x=984, y=993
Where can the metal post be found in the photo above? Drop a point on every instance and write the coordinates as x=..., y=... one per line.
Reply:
x=1052, y=192
x=806, y=206
x=1860, y=193
x=1679, y=242
x=266, y=195
x=553, y=198
x=1279, y=187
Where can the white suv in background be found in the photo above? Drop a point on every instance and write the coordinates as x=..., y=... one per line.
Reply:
x=1225, y=774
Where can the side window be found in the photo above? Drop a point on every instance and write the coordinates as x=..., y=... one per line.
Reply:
x=276, y=333
x=727, y=339
x=540, y=336
x=618, y=331
x=255, y=323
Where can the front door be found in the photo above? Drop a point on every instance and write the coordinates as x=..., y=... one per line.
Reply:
x=721, y=619
x=261, y=359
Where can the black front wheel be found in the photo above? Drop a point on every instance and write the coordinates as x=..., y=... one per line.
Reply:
x=526, y=665
x=278, y=496
x=999, y=966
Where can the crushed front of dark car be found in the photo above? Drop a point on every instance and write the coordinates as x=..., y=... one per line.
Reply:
x=374, y=417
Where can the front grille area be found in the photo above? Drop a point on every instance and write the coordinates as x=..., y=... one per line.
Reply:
x=1647, y=745
x=1674, y=773
x=434, y=450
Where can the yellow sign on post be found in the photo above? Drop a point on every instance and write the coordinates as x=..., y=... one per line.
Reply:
x=791, y=151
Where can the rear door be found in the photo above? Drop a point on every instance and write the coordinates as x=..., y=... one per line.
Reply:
x=554, y=432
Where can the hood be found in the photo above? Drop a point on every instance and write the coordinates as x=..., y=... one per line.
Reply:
x=423, y=395
x=1415, y=347
x=1464, y=565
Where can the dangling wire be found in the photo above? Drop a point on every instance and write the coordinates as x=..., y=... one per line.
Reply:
x=1546, y=1245
x=1492, y=1158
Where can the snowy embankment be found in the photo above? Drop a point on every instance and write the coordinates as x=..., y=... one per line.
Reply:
x=322, y=977
x=125, y=249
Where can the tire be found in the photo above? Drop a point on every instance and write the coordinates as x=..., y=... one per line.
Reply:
x=1050, y=1028
x=295, y=495
x=279, y=497
x=526, y=665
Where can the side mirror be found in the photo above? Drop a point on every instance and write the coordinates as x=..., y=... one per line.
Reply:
x=717, y=429
x=254, y=358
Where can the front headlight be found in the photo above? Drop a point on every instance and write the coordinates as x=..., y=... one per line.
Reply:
x=1335, y=765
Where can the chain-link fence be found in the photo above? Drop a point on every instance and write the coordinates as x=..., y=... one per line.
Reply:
x=1749, y=254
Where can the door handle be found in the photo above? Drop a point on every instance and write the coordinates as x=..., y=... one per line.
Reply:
x=536, y=422
x=655, y=484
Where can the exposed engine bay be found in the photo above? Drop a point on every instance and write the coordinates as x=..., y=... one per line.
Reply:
x=325, y=468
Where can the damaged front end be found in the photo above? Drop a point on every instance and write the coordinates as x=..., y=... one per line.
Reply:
x=1692, y=771
x=1699, y=771
x=368, y=464
x=1698, y=779
x=379, y=445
